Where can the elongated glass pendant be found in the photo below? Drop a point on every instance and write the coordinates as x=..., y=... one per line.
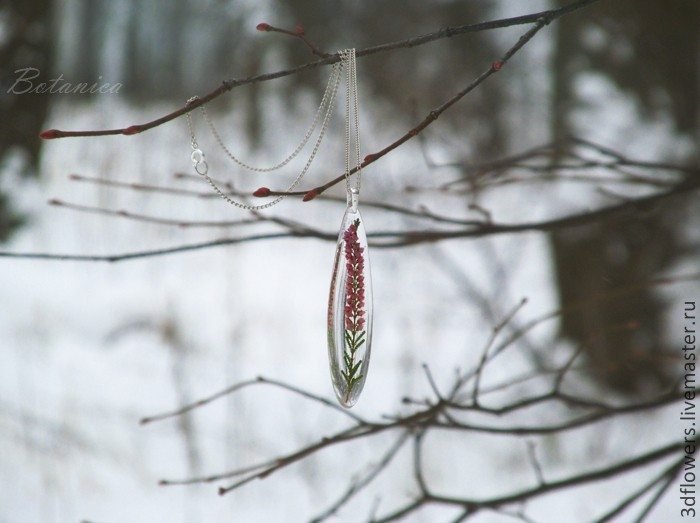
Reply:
x=350, y=309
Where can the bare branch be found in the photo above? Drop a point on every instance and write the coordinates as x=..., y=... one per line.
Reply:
x=572, y=481
x=432, y=115
x=228, y=85
x=536, y=465
x=539, y=22
x=667, y=474
x=486, y=354
x=260, y=380
x=129, y=215
x=380, y=239
x=357, y=485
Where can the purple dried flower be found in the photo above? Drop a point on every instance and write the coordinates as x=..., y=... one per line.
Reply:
x=355, y=282
x=354, y=313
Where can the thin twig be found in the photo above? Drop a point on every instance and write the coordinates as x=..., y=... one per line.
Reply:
x=160, y=189
x=129, y=215
x=571, y=481
x=357, y=485
x=431, y=381
x=659, y=493
x=537, y=467
x=260, y=380
x=299, y=33
x=667, y=474
x=486, y=354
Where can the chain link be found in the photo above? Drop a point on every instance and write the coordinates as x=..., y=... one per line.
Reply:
x=347, y=63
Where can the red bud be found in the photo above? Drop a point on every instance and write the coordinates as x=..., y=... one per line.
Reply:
x=496, y=66
x=310, y=195
x=369, y=158
x=50, y=134
x=263, y=27
x=262, y=192
x=299, y=29
x=134, y=129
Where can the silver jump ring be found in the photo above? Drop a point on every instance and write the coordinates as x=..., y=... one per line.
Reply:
x=201, y=167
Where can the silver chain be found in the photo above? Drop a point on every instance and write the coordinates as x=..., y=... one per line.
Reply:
x=352, y=105
x=328, y=102
x=329, y=88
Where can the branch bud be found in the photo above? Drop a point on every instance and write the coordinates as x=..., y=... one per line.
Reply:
x=50, y=134
x=497, y=65
x=310, y=195
x=263, y=26
x=299, y=30
x=134, y=129
x=262, y=192
x=369, y=159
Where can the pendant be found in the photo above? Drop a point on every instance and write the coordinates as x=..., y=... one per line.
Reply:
x=350, y=308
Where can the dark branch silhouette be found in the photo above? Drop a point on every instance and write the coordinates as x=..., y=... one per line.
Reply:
x=441, y=412
x=381, y=239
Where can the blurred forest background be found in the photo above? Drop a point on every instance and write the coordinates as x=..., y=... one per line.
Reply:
x=142, y=337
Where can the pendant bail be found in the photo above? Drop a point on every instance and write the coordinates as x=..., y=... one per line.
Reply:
x=353, y=198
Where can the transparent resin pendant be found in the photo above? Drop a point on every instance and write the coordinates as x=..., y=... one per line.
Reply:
x=350, y=309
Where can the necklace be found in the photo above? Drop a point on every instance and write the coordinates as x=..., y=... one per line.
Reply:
x=350, y=298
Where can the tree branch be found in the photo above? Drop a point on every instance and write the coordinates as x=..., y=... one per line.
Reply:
x=388, y=239
x=416, y=41
x=472, y=506
x=539, y=20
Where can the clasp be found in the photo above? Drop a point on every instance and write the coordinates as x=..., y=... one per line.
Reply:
x=200, y=164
